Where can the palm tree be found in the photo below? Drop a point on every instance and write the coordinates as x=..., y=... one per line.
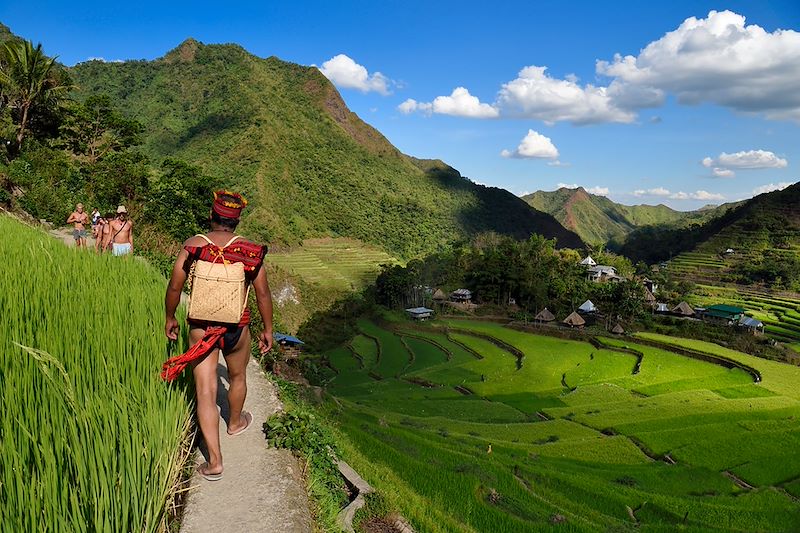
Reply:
x=29, y=80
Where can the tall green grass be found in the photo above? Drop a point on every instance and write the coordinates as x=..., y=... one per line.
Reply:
x=91, y=439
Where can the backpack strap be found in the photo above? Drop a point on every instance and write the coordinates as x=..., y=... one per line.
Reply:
x=209, y=241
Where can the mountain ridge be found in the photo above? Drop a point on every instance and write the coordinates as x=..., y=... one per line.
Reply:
x=280, y=131
x=599, y=220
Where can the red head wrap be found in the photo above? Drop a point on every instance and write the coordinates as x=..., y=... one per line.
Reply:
x=228, y=204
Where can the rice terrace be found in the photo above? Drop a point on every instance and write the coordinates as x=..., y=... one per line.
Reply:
x=505, y=430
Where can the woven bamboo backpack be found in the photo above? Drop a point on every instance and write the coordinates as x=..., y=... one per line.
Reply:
x=218, y=289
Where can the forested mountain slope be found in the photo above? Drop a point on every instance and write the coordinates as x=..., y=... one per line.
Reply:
x=598, y=220
x=281, y=134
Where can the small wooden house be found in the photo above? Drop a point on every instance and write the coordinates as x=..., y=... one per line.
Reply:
x=288, y=345
x=649, y=298
x=574, y=320
x=618, y=329
x=439, y=296
x=461, y=295
x=723, y=314
x=545, y=316
x=751, y=325
x=419, y=313
x=683, y=309
x=587, y=308
x=661, y=308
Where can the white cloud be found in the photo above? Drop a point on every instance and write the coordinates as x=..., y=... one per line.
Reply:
x=721, y=60
x=657, y=191
x=697, y=195
x=346, y=73
x=599, y=191
x=460, y=103
x=567, y=185
x=558, y=163
x=747, y=160
x=771, y=187
x=533, y=146
x=411, y=105
x=722, y=172
x=534, y=94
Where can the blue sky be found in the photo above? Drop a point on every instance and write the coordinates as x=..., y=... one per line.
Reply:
x=703, y=111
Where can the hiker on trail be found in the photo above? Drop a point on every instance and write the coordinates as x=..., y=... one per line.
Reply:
x=100, y=229
x=209, y=333
x=79, y=219
x=121, y=233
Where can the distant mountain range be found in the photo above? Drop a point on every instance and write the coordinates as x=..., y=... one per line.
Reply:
x=282, y=134
x=598, y=220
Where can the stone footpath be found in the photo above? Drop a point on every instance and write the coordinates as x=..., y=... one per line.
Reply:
x=262, y=489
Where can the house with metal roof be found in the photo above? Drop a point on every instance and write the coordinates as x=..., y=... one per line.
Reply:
x=587, y=307
x=723, y=314
x=588, y=261
x=419, y=313
x=601, y=273
x=288, y=345
x=752, y=325
x=461, y=295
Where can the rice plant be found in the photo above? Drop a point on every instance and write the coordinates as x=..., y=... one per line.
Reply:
x=90, y=438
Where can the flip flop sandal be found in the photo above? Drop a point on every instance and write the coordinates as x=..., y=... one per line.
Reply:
x=208, y=477
x=247, y=416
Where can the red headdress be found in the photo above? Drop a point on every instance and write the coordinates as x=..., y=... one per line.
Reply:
x=228, y=204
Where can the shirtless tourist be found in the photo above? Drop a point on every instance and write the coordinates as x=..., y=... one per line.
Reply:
x=79, y=219
x=121, y=233
x=100, y=228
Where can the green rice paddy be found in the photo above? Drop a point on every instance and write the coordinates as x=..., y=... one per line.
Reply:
x=449, y=426
x=343, y=264
x=91, y=439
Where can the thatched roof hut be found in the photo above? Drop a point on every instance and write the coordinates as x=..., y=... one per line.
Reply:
x=574, y=320
x=683, y=309
x=439, y=295
x=545, y=316
x=648, y=297
x=618, y=329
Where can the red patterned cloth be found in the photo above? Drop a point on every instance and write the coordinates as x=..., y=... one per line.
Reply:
x=228, y=204
x=240, y=251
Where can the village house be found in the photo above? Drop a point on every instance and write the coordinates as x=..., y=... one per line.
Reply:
x=650, y=285
x=544, y=316
x=751, y=325
x=588, y=262
x=419, y=313
x=288, y=345
x=727, y=315
x=574, y=320
x=603, y=273
x=461, y=295
x=587, y=307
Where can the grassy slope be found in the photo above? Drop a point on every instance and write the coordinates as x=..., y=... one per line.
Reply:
x=598, y=220
x=281, y=133
x=426, y=448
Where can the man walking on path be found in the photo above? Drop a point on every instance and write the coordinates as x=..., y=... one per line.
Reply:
x=79, y=219
x=209, y=338
x=121, y=230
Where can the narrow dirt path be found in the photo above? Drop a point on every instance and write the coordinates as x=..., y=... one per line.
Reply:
x=262, y=489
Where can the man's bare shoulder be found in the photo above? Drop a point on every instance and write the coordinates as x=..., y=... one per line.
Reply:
x=195, y=241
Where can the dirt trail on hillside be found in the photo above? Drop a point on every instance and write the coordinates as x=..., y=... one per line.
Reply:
x=262, y=488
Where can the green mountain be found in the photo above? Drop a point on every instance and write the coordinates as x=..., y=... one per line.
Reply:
x=763, y=234
x=281, y=134
x=598, y=220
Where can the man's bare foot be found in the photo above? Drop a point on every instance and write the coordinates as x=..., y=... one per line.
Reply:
x=245, y=420
x=211, y=474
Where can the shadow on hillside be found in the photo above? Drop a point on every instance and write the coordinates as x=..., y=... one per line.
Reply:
x=497, y=210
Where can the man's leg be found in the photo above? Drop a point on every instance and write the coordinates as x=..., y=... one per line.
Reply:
x=205, y=380
x=237, y=361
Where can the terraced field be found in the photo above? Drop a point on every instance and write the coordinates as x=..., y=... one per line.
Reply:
x=343, y=264
x=482, y=428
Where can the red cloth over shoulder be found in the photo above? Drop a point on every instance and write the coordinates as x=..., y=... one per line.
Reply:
x=240, y=251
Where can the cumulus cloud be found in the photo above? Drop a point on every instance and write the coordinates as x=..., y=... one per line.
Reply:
x=599, y=191
x=346, y=73
x=746, y=160
x=533, y=146
x=534, y=94
x=722, y=60
x=567, y=185
x=722, y=172
x=460, y=103
x=697, y=195
x=657, y=191
x=771, y=187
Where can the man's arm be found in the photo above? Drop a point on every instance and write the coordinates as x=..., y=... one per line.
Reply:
x=71, y=218
x=130, y=236
x=173, y=296
x=264, y=300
